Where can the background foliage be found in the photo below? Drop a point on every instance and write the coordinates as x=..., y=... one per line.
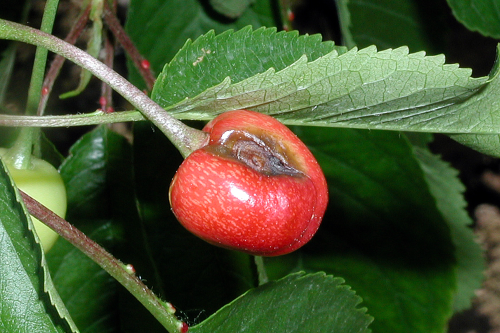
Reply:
x=395, y=244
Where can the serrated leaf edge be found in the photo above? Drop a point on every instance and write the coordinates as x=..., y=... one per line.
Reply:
x=340, y=283
x=224, y=90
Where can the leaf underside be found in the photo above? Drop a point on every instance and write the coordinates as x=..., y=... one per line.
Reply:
x=308, y=82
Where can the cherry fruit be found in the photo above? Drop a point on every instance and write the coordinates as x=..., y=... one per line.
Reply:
x=44, y=183
x=255, y=187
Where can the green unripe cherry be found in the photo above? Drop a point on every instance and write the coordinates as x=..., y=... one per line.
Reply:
x=44, y=183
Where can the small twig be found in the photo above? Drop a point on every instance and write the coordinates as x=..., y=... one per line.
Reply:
x=106, y=91
x=123, y=38
x=162, y=311
x=58, y=61
x=38, y=71
x=27, y=138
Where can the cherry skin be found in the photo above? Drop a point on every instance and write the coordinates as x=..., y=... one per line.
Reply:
x=255, y=187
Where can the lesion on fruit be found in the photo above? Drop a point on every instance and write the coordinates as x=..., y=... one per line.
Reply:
x=262, y=154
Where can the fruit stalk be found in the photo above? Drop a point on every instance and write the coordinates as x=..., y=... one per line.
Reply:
x=27, y=137
x=93, y=118
x=261, y=270
x=121, y=272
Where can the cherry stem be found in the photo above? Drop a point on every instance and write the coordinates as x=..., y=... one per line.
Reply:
x=95, y=118
x=261, y=270
x=22, y=150
x=185, y=138
x=106, y=92
x=20, y=153
x=38, y=72
x=58, y=61
x=162, y=311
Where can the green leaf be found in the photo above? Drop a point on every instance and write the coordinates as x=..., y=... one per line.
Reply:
x=101, y=202
x=29, y=300
x=211, y=59
x=417, y=24
x=391, y=23
x=297, y=303
x=484, y=143
x=231, y=8
x=448, y=190
x=369, y=89
x=159, y=37
x=49, y=152
x=96, y=174
x=87, y=290
x=390, y=89
x=382, y=232
x=480, y=15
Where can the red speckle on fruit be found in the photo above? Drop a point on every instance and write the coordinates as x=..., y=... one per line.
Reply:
x=255, y=187
x=110, y=109
x=291, y=15
x=45, y=91
x=145, y=64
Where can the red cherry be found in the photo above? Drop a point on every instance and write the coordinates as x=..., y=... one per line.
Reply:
x=255, y=187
